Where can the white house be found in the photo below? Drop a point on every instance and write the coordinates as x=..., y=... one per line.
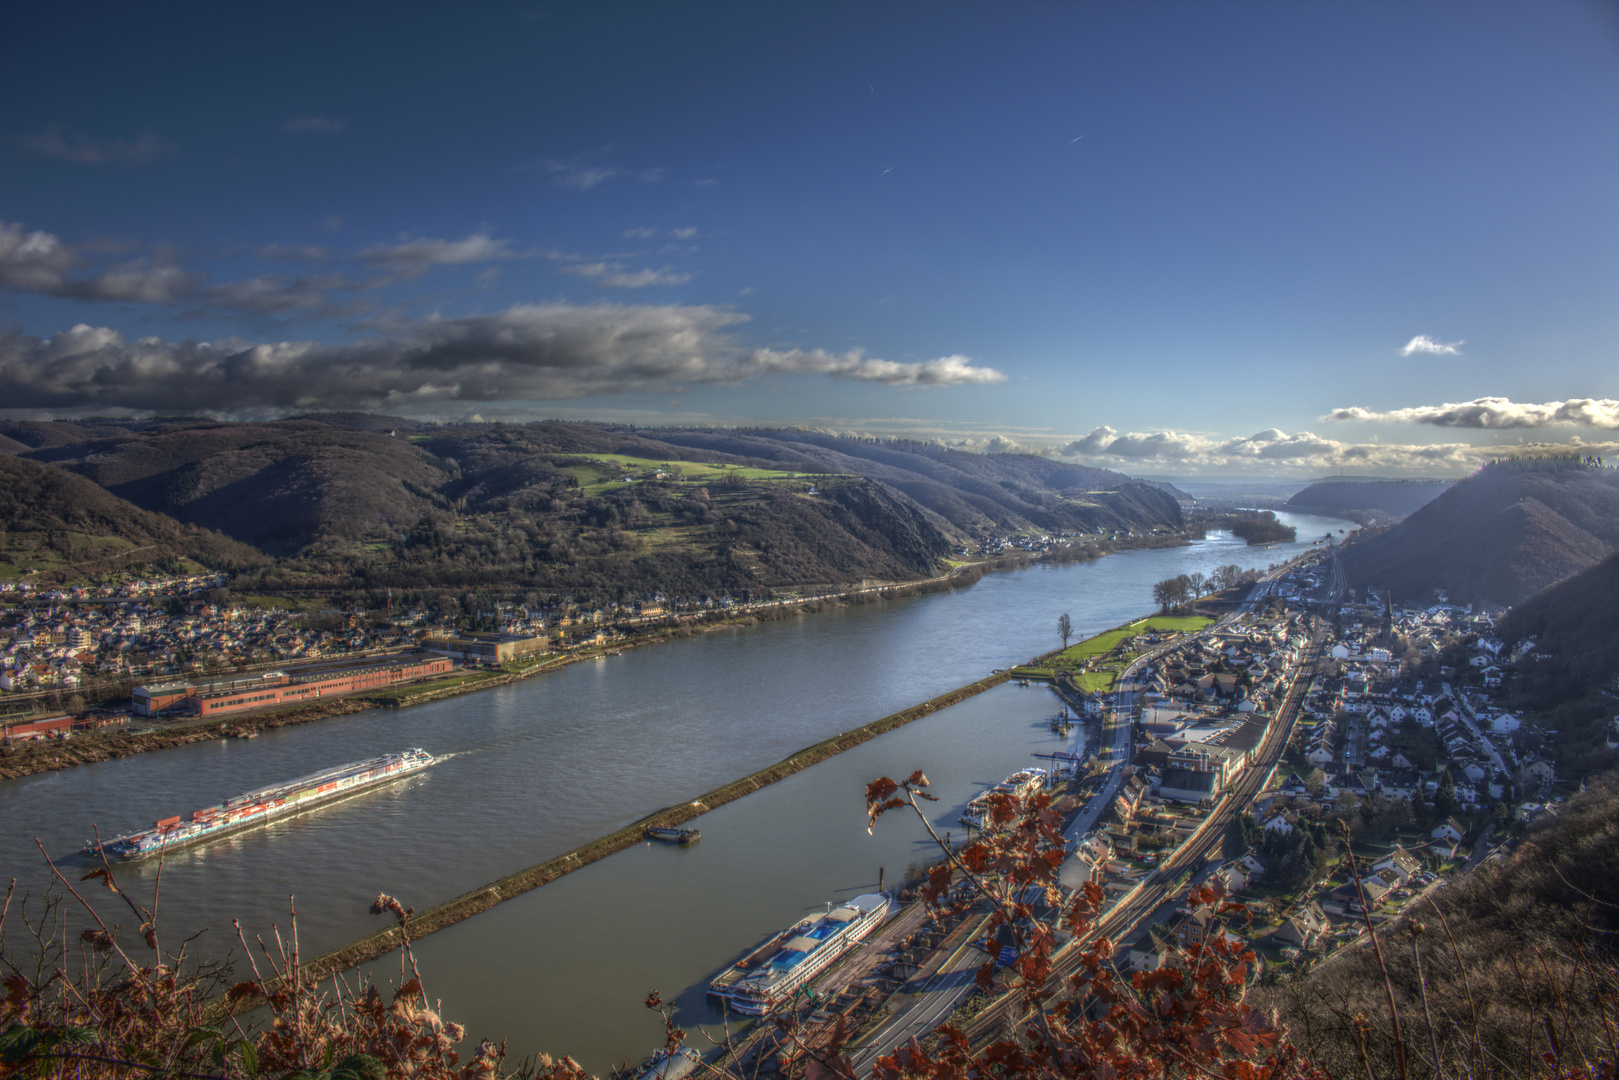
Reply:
x=1449, y=830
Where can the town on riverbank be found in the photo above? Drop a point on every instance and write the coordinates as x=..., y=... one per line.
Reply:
x=92, y=672
x=1165, y=642
x=1235, y=751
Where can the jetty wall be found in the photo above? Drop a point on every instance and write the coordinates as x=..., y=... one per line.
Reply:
x=450, y=912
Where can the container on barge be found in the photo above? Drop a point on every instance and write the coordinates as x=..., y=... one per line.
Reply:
x=264, y=804
x=770, y=975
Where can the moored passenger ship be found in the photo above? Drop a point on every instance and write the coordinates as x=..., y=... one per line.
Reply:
x=264, y=804
x=1021, y=784
x=768, y=977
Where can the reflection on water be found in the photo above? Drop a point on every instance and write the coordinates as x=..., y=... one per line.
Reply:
x=535, y=768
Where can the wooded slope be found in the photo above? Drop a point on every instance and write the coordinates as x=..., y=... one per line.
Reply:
x=1498, y=537
x=1392, y=498
x=57, y=516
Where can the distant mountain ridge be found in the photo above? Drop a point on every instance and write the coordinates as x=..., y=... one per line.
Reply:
x=1497, y=537
x=595, y=510
x=1393, y=498
x=284, y=485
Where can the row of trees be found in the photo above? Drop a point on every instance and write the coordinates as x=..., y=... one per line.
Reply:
x=1183, y=589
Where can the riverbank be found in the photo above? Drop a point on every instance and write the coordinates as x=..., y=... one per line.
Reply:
x=422, y=924
x=48, y=755
x=43, y=756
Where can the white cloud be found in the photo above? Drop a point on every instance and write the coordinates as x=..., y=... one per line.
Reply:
x=315, y=125
x=1271, y=450
x=582, y=172
x=1488, y=413
x=84, y=150
x=579, y=177
x=305, y=252
x=613, y=275
x=1422, y=343
x=38, y=262
x=945, y=371
x=408, y=258
x=531, y=352
x=641, y=233
x=684, y=234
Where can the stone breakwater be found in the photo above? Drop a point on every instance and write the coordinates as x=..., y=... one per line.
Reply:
x=420, y=924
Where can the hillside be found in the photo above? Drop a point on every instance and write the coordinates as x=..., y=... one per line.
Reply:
x=288, y=484
x=1382, y=498
x=53, y=521
x=278, y=486
x=1498, y=537
x=1534, y=933
x=1576, y=627
x=980, y=494
x=349, y=497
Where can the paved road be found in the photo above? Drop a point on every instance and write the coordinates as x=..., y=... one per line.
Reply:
x=953, y=982
x=921, y=1009
x=1135, y=908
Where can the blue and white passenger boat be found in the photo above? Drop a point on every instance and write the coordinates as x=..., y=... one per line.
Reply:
x=768, y=977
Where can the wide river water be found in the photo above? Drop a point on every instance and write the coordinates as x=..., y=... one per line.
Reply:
x=532, y=769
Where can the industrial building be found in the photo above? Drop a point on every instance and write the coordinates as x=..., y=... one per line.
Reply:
x=291, y=686
x=488, y=648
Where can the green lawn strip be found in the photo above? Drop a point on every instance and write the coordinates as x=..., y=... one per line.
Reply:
x=1076, y=656
x=1097, y=682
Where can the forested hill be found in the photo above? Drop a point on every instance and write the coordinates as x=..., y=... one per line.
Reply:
x=1498, y=537
x=1386, y=498
x=590, y=508
x=51, y=520
x=285, y=485
x=1575, y=624
x=978, y=493
x=278, y=486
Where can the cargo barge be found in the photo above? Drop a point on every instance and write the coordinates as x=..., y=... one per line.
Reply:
x=673, y=836
x=769, y=976
x=264, y=804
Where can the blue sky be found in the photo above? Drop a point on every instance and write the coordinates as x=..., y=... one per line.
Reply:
x=1169, y=238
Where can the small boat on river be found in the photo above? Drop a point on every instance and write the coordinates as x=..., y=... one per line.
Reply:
x=673, y=836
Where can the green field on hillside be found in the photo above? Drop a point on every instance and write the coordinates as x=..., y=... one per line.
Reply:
x=603, y=472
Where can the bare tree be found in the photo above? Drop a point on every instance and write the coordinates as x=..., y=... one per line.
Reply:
x=1065, y=628
x=1171, y=592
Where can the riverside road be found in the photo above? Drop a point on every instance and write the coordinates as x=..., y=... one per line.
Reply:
x=1134, y=910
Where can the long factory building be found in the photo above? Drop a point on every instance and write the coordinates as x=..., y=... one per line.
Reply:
x=290, y=686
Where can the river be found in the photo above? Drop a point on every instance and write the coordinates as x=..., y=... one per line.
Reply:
x=532, y=769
